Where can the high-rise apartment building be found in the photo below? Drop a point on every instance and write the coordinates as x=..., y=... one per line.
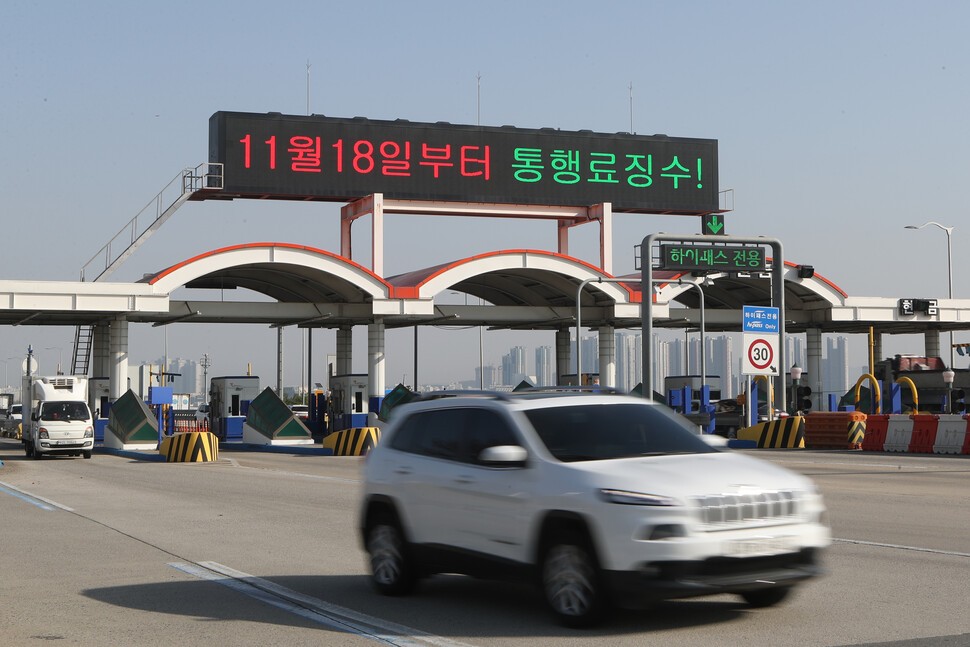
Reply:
x=629, y=356
x=835, y=367
x=513, y=366
x=545, y=366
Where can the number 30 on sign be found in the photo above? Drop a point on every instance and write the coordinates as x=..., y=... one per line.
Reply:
x=760, y=354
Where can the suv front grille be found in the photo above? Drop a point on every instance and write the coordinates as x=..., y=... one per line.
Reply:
x=766, y=508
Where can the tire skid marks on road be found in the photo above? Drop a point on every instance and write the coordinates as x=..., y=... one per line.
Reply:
x=314, y=609
x=899, y=547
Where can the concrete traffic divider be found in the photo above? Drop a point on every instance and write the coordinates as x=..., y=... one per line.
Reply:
x=356, y=441
x=951, y=435
x=781, y=433
x=192, y=447
x=834, y=429
x=899, y=433
x=877, y=425
x=131, y=425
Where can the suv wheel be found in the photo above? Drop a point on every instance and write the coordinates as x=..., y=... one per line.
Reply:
x=391, y=572
x=571, y=584
x=766, y=597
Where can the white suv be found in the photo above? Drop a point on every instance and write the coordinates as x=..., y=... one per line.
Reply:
x=603, y=500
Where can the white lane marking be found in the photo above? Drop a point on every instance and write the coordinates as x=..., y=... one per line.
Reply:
x=314, y=609
x=897, y=546
x=338, y=479
x=857, y=464
x=33, y=499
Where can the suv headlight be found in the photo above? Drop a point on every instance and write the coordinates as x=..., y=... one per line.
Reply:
x=625, y=497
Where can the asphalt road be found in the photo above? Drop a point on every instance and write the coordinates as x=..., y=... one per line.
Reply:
x=261, y=549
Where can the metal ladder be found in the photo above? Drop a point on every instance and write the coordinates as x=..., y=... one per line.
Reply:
x=206, y=177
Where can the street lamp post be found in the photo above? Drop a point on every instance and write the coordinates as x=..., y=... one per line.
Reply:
x=949, y=267
x=796, y=375
x=481, y=346
x=948, y=376
x=59, y=356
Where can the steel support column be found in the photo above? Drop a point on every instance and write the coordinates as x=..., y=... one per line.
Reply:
x=607, y=346
x=118, y=351
x=375, y=369
x=563, y=365
x=813, y=359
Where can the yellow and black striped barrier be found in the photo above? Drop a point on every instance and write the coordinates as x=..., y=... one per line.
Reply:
x=352, y=442
x=192, y=447
x=781, y=433
x=857, y=433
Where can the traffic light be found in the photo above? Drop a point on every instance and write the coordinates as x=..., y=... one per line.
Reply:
x=957, y=404
x=802, y=398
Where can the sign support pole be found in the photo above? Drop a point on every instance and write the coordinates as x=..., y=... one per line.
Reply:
x=646, y=304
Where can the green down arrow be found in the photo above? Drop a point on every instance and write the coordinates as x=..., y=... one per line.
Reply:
x=715, y=225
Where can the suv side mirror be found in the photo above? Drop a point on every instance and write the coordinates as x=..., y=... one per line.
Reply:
x=503, y=456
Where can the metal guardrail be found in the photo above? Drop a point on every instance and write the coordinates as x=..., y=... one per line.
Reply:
x=205, y=176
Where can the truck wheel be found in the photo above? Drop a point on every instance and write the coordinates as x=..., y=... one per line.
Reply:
x=29, y=449
x=37, y=455
x=86, y=454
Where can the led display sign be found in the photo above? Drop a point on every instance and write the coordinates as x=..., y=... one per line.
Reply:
x=713, y=258
x=325, y=158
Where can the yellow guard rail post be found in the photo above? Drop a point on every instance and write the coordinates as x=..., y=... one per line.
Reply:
x=912, y=389
x=874, y=383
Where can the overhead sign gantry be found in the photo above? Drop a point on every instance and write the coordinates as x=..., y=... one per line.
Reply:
x=702, y=242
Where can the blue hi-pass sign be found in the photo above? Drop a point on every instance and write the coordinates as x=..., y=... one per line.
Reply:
x=759, y=319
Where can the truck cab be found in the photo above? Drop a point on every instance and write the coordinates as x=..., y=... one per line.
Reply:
x=59, y=420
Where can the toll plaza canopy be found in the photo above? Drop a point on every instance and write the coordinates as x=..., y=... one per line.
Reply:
x=519, y=289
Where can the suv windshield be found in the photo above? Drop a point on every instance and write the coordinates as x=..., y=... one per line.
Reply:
x=606, y=431
x=64, y=411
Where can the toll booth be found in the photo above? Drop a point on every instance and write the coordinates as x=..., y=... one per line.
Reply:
x=99, y=390
x=160, y=400
x=229, y=398
x=317, y=416
x=347, y=407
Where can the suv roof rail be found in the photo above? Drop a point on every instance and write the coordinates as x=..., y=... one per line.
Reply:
x=461, y=393
x=606, y=390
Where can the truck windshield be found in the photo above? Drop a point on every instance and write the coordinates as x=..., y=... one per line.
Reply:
x=64, y=411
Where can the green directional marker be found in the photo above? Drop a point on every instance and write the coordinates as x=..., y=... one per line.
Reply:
x=713, y=224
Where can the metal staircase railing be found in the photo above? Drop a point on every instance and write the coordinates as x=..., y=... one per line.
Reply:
x=204, y=177
x=82, y=349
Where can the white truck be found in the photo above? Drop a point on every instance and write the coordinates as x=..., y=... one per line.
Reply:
x=56, y=417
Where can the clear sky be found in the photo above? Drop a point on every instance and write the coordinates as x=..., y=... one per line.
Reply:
x=838, y=124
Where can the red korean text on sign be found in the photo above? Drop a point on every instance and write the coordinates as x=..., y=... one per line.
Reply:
x=306, y=154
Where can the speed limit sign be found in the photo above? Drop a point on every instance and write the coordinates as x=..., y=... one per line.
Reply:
x=760, y=354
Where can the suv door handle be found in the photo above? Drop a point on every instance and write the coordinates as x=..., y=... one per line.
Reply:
x=403, y=470
x=464, y=480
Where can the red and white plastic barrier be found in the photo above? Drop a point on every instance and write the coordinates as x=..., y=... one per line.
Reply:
x=918, y=434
